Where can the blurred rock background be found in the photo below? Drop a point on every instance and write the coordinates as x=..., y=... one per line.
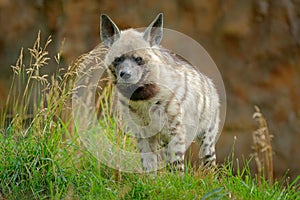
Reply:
x=255, y=44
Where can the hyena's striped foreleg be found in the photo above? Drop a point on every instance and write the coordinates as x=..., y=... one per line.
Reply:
x=177, y=145
x=176, y=149
x=148, y=150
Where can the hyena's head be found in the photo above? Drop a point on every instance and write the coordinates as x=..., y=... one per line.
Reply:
x=130, y=58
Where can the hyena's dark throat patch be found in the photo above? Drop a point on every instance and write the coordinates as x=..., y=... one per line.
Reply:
x=138, y=93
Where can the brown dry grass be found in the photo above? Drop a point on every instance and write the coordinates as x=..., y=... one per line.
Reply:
x=263, y=153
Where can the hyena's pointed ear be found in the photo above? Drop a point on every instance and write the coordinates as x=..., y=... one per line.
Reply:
x=154, y=33
x=109, y=31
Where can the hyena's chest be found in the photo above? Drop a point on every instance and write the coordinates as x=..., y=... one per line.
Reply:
x=146, y=118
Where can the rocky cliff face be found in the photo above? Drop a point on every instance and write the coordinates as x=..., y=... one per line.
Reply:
x=255, y=44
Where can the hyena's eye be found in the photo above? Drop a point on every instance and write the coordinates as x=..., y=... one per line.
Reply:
x=138, y=60
x=118, y=60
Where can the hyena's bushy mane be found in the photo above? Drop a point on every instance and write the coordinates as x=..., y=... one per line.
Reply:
x=170, y=58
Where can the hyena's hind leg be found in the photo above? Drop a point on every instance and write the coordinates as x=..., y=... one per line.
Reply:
x=208, y=139
x=207, y=153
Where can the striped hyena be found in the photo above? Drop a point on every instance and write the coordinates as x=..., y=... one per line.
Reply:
x=166, y=102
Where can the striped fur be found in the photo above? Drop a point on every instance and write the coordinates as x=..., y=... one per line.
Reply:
x=166, y=101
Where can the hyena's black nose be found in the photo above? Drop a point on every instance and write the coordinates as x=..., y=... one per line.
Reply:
x=125, y=75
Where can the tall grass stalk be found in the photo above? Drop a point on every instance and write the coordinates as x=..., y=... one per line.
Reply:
x=263, y=153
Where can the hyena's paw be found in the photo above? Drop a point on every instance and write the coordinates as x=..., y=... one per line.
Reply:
x=209, y=161
x=149, y=162
x=176, y=166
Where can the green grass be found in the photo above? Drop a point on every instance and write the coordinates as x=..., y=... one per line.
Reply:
x=41, y=156
x=45, y=165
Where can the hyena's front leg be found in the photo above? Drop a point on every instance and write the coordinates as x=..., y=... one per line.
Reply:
x=149, y=157
x=176, y=150
x=177, y=145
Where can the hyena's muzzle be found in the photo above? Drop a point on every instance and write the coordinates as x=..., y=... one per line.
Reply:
x=128, y=71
